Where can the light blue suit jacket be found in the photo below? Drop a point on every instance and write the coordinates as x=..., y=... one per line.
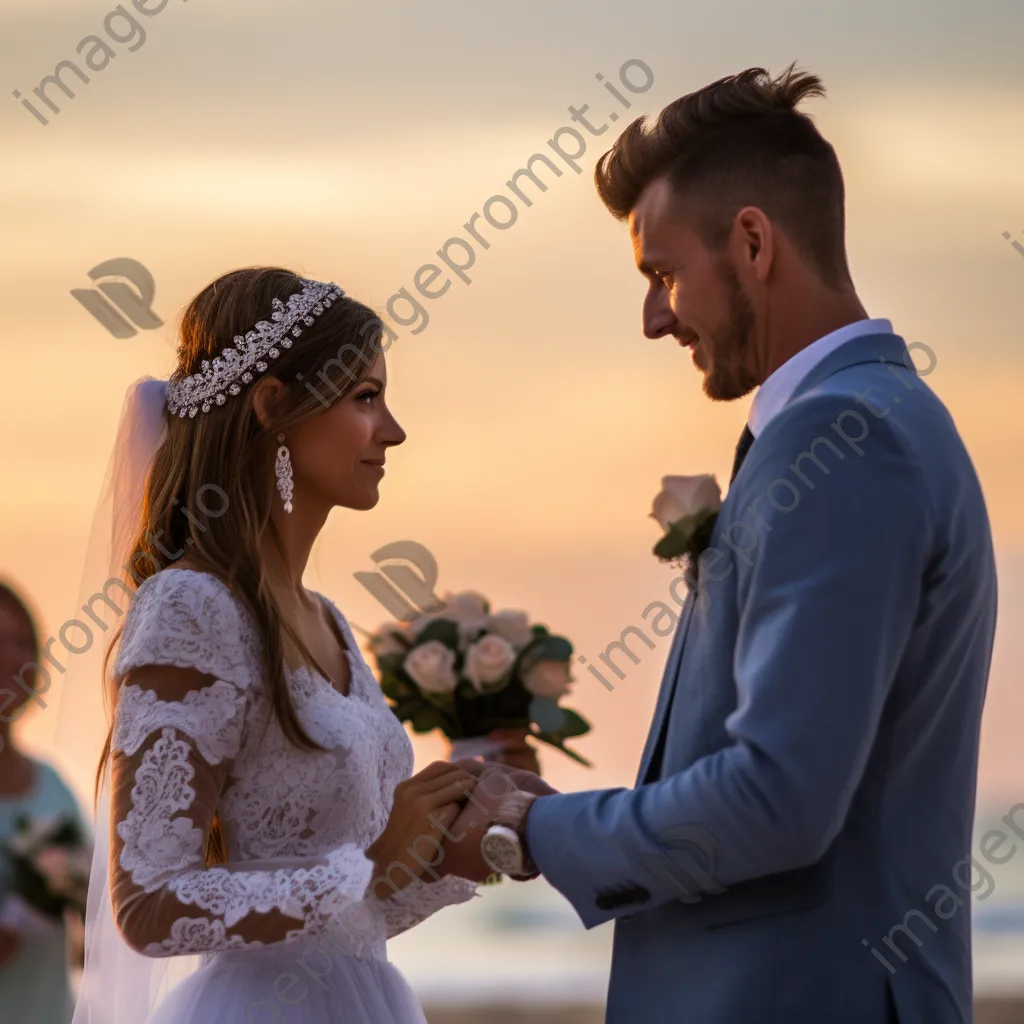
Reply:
x=796, y=857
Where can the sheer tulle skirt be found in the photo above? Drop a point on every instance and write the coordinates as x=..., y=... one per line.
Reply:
x=299, y=982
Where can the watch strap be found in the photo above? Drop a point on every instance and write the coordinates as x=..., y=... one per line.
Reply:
x=512, y=812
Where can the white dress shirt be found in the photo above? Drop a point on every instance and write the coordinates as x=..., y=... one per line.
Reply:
x=776, y=391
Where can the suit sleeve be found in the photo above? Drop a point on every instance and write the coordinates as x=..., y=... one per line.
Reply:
x=826, y=606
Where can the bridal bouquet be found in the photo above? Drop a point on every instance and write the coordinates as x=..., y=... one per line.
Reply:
x=467, y=671
x=49, y=862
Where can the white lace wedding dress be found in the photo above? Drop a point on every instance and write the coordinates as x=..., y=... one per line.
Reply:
x=283, y=927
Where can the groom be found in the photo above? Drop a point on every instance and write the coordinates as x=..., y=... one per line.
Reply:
x=808, y=783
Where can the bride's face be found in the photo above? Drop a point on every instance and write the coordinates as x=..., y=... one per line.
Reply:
x=338, y=456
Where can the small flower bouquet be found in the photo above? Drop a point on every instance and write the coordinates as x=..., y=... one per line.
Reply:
x=49, y=860
x=468, y=671
x=686, y=508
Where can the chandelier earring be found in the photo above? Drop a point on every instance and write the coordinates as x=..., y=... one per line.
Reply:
x=283, y=471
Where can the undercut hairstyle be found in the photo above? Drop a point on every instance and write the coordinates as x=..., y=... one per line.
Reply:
x=739, y=142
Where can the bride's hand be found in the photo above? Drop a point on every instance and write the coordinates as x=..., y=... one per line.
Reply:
x=423, y=806
x=462, y=855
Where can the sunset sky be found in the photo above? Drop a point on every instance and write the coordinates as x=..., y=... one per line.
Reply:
x=351, y=144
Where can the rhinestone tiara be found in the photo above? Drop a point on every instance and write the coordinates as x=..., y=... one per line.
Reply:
x=248, y=355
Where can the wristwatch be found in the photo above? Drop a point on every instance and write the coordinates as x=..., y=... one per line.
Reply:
x=503, y=845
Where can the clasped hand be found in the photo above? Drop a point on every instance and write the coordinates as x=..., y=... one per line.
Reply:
x=438, y=818
x=461, y=846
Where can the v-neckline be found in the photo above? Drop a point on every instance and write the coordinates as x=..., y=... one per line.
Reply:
x=343, y=634
x=337, y=620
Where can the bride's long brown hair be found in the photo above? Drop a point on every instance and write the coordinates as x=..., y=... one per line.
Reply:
x=223, y=461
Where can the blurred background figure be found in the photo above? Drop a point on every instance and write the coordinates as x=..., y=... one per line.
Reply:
x=34, y=949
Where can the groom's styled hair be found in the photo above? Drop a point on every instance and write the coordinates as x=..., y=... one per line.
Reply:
x=739, y=142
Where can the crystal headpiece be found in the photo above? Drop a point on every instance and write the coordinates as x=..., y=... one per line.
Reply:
x=247, y=357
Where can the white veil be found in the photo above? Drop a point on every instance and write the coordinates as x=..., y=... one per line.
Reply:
x=118, y=986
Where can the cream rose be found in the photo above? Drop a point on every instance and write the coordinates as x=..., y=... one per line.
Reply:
x=468, y=610
x=513, y=626
x=548, y=679
x=467, y=605
x=683, y=496
x=488, y=660
x=431, y=666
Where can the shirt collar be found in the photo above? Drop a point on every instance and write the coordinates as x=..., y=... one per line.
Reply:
x=776, y=391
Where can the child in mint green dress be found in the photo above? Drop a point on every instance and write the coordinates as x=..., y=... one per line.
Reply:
x=34, y=977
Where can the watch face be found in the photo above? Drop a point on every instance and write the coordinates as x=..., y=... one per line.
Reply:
x=501, y=849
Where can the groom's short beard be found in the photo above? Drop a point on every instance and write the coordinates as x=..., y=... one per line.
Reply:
x=731, y=373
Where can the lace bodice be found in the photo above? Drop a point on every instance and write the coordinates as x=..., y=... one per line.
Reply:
x=296, y=823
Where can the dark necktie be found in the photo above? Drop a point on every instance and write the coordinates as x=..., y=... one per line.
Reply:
x=746, y=440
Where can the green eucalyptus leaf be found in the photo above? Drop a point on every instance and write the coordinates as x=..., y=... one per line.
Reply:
x=427, y=718
x=557, y=648
x=543, y=648
x=404, y=709
x=676, y=541
x=559, y=744
x=390, y=664
x=445, y=630
x=573, y=724
x=392, y=687
x=688, y=536
x=547, y=715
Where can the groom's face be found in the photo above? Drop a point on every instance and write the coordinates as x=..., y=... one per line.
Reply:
x=693, y=294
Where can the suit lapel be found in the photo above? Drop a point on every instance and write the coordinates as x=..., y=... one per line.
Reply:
x=668, y=685
x=881, y=348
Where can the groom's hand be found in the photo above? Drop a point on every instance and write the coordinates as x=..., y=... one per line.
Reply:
x=461, y=846
x=527, y=781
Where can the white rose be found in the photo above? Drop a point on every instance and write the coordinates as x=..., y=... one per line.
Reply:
x=683, y=496
x=431, y=666
x=548, y=679
x=384, y=643
x=488, y=660
x=467, y=605
x=469, y=610
x=513, y=626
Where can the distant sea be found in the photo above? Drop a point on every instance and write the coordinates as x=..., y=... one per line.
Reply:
x=481, y=951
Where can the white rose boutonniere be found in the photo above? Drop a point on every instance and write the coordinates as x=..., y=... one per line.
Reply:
x=686, y=509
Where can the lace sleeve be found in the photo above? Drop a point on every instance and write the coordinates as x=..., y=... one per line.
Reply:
x=185, y=668
x=418, y=900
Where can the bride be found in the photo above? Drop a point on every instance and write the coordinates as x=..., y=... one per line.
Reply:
x=261, y=810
